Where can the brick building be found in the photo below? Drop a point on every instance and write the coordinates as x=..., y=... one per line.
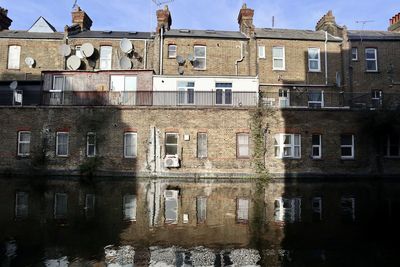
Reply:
x=186, y=103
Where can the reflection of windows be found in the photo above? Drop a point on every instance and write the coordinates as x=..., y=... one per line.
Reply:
x=287, y=210
x=314, y=60
x=316, y=204
x=62, y=140
x=223, y=93
x=376, y=98
x=105, y=57
x=261, y=51
x=130, y=145
x=354, y=53
x=171, y=144
x=371, y=60
x=129, y=207
x=278, y=58
x=315, y=99
x=14, y=55
x=316, y=148
x=202, y=145
x=391, y=146
x=287, y=145
x=21, y=205
x=58, y=84
x=90, y=201
x=91, y=144
x=242, y=145
x=347, y=146
x=60, y=205
x=201, y=206
x=171, y=206
x=185, y=93
x=24, y=143
x=284, y=98
x=200, y=57
x=348, y=209
x=242, y=210
x=171, y=51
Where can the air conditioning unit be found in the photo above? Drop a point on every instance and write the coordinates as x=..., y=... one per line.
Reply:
x=171, y=161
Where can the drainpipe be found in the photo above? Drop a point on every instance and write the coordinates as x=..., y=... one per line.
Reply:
x=239, y=60
x=145, y=55
x=161, y=50
x=326, y=58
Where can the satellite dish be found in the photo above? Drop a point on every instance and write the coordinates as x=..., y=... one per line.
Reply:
x=126, y=46
x=191, y=58
x=181, y=70
x=64, y=50
x=73, y=62
x=29, y=61
x=125, y=63
x=181, y=60
x=87, y=49
x=13, y=85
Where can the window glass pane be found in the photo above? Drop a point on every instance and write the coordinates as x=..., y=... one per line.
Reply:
x=190, y=96
x=287, y=139
x=218, y=94
x=316, y=139
x=313, y=53
x=315, y=96
x=172, y=51
x=199, y=51
x=296, y=139
x=117, y=82
x=242, y=209
x=287, y=151
x=25, y=137
x=346, y=151
x=371, y=65
x=172, y=139
x=369, y=53
x=278, y=63
x=130, y=83
x=347, y=139
x=199, y=63
x=201, y=203
x=202, y=145
x=60, y=205
x=315, y=151
x=277, y=52
x=90, y=205
x=58, y=83
x=314, y=64
x=129, y=207
x=21, y=204
x=105, y=57
x=171, y=206
x=228, y=96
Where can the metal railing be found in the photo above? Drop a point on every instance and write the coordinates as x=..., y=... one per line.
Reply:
x=355, y=100
x=150, y=98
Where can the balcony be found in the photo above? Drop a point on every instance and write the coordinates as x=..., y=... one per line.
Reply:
x=151, y=98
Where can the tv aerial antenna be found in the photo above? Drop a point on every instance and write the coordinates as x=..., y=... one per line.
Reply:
x=363, y=22
x=161, y=2
x=75, y=4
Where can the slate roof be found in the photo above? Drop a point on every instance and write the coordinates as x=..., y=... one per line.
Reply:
x=373, y=35
x=30, y=35
x=112, y=35
x=269, y=33
x=205, y=34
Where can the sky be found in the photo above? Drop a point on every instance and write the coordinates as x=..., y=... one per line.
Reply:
x=139, y=15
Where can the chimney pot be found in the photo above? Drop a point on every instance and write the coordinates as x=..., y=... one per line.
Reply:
x=5, y=21
x=164, y=19
x=79, y=17
x=245, y=20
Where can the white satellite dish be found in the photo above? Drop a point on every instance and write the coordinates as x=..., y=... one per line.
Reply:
x=87, y=49
x=13, y=85
x=125, y=63
x=191, y=58
x=181, y=60
x=73, y=62
x=64, y=50
x=29, y=61
x=126, y=46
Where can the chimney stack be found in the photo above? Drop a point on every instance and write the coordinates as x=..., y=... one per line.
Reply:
x=394, y=23
x=328, y=23
x=164, y=19
x=5, y=21
x=245, y=20
x=79, y=17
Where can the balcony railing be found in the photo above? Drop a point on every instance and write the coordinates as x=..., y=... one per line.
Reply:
x=151, y=98
x=355, y=100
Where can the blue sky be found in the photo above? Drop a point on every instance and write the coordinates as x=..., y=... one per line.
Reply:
x=139, y=15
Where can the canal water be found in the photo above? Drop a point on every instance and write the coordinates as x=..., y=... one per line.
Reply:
x=73, y=221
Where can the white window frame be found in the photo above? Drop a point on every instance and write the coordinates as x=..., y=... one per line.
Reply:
x=242, y=210
x=318, y=146
x=114, y=85
x=58, y=90
x=287, y=214
x=105, y=62
x=278, y=58
x=172, y=144
x=316, y=104
x=172, y=52
x=21, y=206
x=78, y=51
x=14, y=57
x=318, y=60
x=202, y=148
x=125, y=208
x=354, y=54
x=261, y=52
x=201, y=57
x=226, y=91
x=317, y=209
x=171, y=196
x=375, y=59
x=184, y=91
x=134, y=145
x=60, y=216
x=389, y=145
x=20, y=142
x=57, y=144
x=239, y=145
x=347, y=146
x=280, y=146
x=284, y=98
x=353, y=206
x=88, y=144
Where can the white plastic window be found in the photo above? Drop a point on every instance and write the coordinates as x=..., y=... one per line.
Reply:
x=129, y=207
x=278, y=58
x=91, y=144
x=130, y=145
x=314, y=59
x=24, y=143
x=347, y=146
x=261, y=51
x=371, y=60
x=62, y=140
x=171, y=51
x=316, y=148
x=14, y=56
x=105, y=57
x=200, y=55
x=243, y=145
x=287, y=145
